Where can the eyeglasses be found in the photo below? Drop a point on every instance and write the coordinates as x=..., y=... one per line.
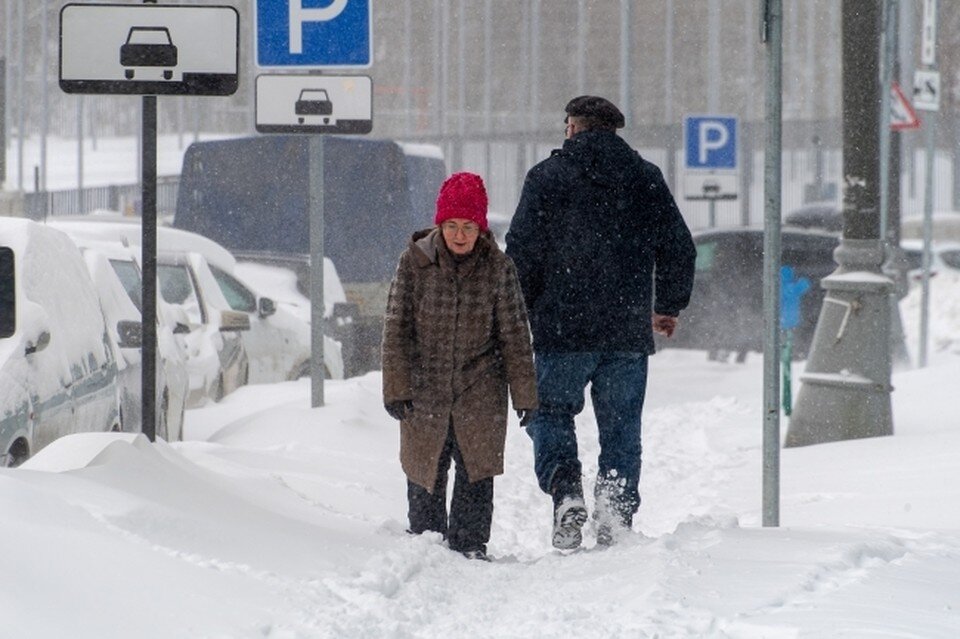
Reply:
x=453, y=228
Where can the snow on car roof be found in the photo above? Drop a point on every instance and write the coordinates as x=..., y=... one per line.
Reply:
x=127, y=230
x=422, y=150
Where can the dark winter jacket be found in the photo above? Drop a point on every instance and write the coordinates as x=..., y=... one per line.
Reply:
x=595, y=232
x=455, y=336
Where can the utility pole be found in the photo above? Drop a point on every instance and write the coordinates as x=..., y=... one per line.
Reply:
x=846, y=385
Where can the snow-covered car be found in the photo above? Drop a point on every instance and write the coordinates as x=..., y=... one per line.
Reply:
x=216, y=357
x=278, y=343
x=116, y=276
x=58, y=371
x=944, y=256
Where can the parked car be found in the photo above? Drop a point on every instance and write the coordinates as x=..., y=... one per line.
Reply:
x=726, y=305
x=946, y=226
x=58, y=372
x=278, y=345
x=116, y=276
x=944, y=256
x=825, y=216
x=217, y=360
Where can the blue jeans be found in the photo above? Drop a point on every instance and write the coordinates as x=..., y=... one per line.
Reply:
x=618, y=383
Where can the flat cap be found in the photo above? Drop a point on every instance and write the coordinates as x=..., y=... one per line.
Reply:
x=601, y=110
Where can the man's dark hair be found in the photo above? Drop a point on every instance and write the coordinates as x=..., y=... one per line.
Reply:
x=595, y=113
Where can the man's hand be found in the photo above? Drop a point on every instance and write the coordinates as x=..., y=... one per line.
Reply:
x=664, y=324
x=399, y=410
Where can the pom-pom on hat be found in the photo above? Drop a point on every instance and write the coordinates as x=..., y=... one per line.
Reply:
x=463, y=195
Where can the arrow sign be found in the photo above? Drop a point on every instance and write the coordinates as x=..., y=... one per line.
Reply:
x=926, y=90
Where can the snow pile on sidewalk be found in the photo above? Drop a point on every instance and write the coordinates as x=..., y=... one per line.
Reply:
x=278, y=520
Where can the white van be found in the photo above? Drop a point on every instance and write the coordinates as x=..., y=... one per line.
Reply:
x=58, y=372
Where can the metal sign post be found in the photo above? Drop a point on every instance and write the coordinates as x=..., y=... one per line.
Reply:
x=148, y=50
x=290, y=35
x=926, y=92
x=772, y=35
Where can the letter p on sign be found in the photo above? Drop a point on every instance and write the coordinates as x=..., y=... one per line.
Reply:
x=711, y=142
x=300, y=14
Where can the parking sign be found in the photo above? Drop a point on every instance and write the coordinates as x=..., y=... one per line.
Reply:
x=711, y=142
x=314, y=33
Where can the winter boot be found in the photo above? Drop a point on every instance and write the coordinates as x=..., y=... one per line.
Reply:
x=613, y=514
x=569, y=510
x=569, y=516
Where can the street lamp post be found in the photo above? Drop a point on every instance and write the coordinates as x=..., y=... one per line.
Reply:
x=846, y=384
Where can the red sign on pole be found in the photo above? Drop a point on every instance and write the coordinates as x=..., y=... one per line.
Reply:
x=902, y=115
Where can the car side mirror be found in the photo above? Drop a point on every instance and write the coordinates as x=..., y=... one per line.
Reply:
x=181, y=329
x=232, y=321
x=266, y=307
x=131, y=333
x=42, y=342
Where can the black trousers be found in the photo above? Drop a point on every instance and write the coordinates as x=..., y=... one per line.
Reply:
x=471, y=509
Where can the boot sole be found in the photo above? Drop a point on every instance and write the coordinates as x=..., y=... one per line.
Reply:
x=567, y=533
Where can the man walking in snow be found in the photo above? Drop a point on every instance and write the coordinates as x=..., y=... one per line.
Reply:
x=604, y=259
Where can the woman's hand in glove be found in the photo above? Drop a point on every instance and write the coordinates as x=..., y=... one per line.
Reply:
x=399, y=410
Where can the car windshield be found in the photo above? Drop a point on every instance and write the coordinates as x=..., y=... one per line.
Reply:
x=239, y=297
x=951, y=258
x=705, y=256
x=176, y=287
x=149, y=36
x=129, y=276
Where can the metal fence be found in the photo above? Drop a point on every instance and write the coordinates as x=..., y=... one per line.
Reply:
x=122, y=198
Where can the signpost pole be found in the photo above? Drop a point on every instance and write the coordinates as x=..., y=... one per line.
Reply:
x=315, y=210
x=928, y=51
x=773, y=37
x=148, y=258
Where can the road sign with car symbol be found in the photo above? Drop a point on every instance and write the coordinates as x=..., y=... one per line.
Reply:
x=149, y=49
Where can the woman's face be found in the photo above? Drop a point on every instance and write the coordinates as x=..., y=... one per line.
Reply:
x=460, y=235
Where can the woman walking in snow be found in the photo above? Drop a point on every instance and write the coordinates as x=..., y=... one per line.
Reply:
x=455, y=338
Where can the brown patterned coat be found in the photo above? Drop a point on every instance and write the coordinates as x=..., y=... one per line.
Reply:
x=455, y=336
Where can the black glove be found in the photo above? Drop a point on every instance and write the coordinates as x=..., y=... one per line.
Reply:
x=399, y=410
x=525, y=414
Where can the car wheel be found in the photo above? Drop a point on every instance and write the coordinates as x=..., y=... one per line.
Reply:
x=19, y=452
x=218, y=392
x=163, y=429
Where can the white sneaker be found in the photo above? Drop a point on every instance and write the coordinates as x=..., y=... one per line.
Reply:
x=568, y=518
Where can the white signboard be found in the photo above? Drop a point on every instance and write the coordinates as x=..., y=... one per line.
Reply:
x=926, y=90
x=300, y=103
x=149, y=49
x=928, y=35
x=710, y=160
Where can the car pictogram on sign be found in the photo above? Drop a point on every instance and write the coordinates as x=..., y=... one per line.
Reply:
x=148, y=47
x=313, y=102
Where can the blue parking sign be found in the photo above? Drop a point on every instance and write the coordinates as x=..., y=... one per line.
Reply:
x=711, y=142
x=314, y=33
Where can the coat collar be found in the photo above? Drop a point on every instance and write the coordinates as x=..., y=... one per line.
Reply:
x=428, y=248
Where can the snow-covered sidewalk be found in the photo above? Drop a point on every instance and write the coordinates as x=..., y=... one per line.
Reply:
x=277, y=520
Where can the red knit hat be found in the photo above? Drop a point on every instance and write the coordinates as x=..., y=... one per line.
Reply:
x=463, y=195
